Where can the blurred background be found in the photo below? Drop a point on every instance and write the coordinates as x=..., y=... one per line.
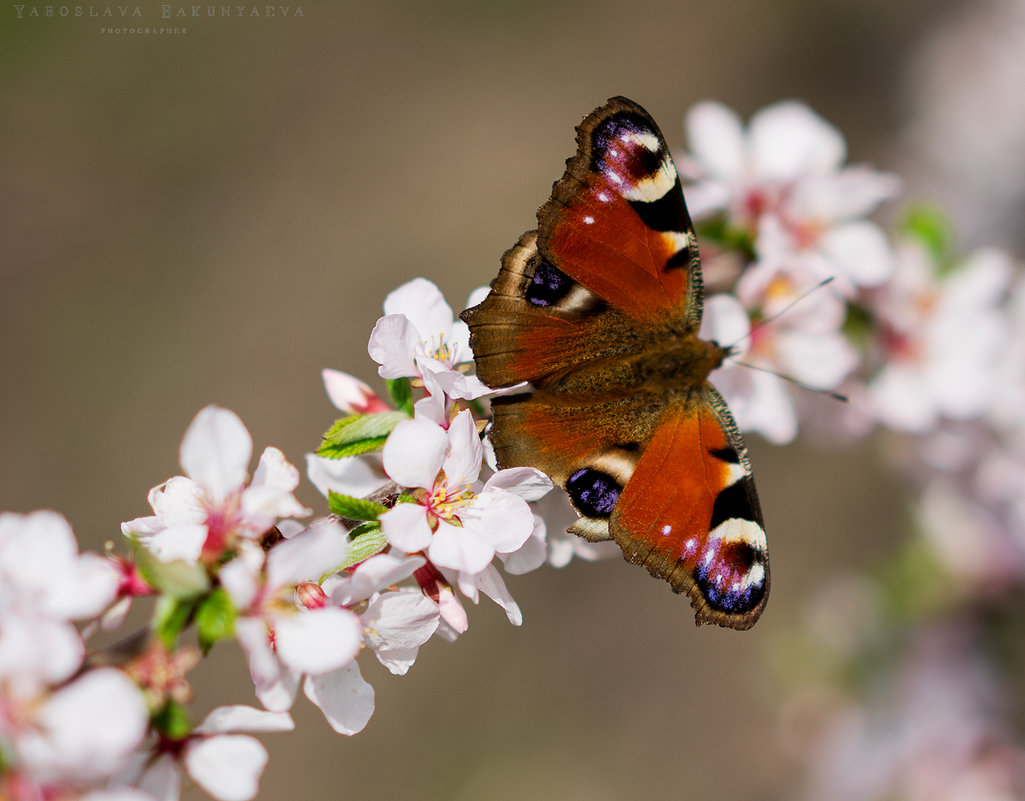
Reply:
x=214, y=216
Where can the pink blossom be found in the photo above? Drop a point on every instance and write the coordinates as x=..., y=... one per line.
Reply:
x=394, y=623
x=457, y=526
x=207, y=511
x=420, y=334
x=782, y=182
x=219, y=755
x=80, y=733
x=803, y=344
x=283, y=638
x=44, y=585
x=350, y=395
x=935, y=364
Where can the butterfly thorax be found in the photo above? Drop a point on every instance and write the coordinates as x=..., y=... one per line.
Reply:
x=682, y=364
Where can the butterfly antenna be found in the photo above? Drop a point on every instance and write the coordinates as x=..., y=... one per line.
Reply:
x=784, y=310
x=834, y=395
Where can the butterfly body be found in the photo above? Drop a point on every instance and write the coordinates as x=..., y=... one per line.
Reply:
x=599, y=311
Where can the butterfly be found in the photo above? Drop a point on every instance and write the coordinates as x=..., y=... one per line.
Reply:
x=599, y=310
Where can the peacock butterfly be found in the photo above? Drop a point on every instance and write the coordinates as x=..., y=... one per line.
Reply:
x=599, y=310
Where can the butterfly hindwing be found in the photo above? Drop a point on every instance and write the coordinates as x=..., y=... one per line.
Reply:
x=702, y=530
x=598, y=310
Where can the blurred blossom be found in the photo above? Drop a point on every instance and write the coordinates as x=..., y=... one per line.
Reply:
x=45, y=584
x=354, y=475
x=941, y=337
x=781, y=182
x=965, y=126
x=219, y=755
x=934, y=729
x=976, y=542
x=206, y=512
x=78, y=734
x=804, y=344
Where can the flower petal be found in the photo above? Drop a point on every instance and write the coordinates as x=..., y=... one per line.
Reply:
x=396, y=625
x=716, y=139
x=726, y=322
x=531, y=555
x=346, y=700
x=500, y=518
x=321, y=548
x=319, y=640
x=87, y=729
x=216, y=451
x=161, y=779
x=239, y=718
x=393, y=344
x=789, y=140
x=524, y=482
x=275, y=682
x=178, y=501
x=373, y=575
x=351, y=395
x=86, y=589
x=228, y=766
x=860, y=252
x=414, y=453
x=424, y=305
x=461, y=549
x=352, y=475
x=465, y=452
x=490, y=582
x=405, y=526
x=184, y=542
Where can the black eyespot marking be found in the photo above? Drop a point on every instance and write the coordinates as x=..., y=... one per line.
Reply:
x=734, y=503
x=726, y=454
x=549, y=284
x=593, y=492
x=726, y=580
x=608, y=137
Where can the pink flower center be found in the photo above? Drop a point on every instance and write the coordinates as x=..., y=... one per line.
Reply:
x=440, y=351
x=444, y=502
x=221, y=522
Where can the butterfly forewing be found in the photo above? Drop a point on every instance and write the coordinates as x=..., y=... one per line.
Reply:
x=617, y=223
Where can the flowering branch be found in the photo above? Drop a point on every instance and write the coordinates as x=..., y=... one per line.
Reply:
x=414, y=521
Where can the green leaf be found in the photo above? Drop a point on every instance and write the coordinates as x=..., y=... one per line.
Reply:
x=173, y=721
x=353, y=508
x=401, y=393
x=171, y=617
x=360, y=433
x=215, y=619
x=930, y=226
x=367, y=540
x=177, y=579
